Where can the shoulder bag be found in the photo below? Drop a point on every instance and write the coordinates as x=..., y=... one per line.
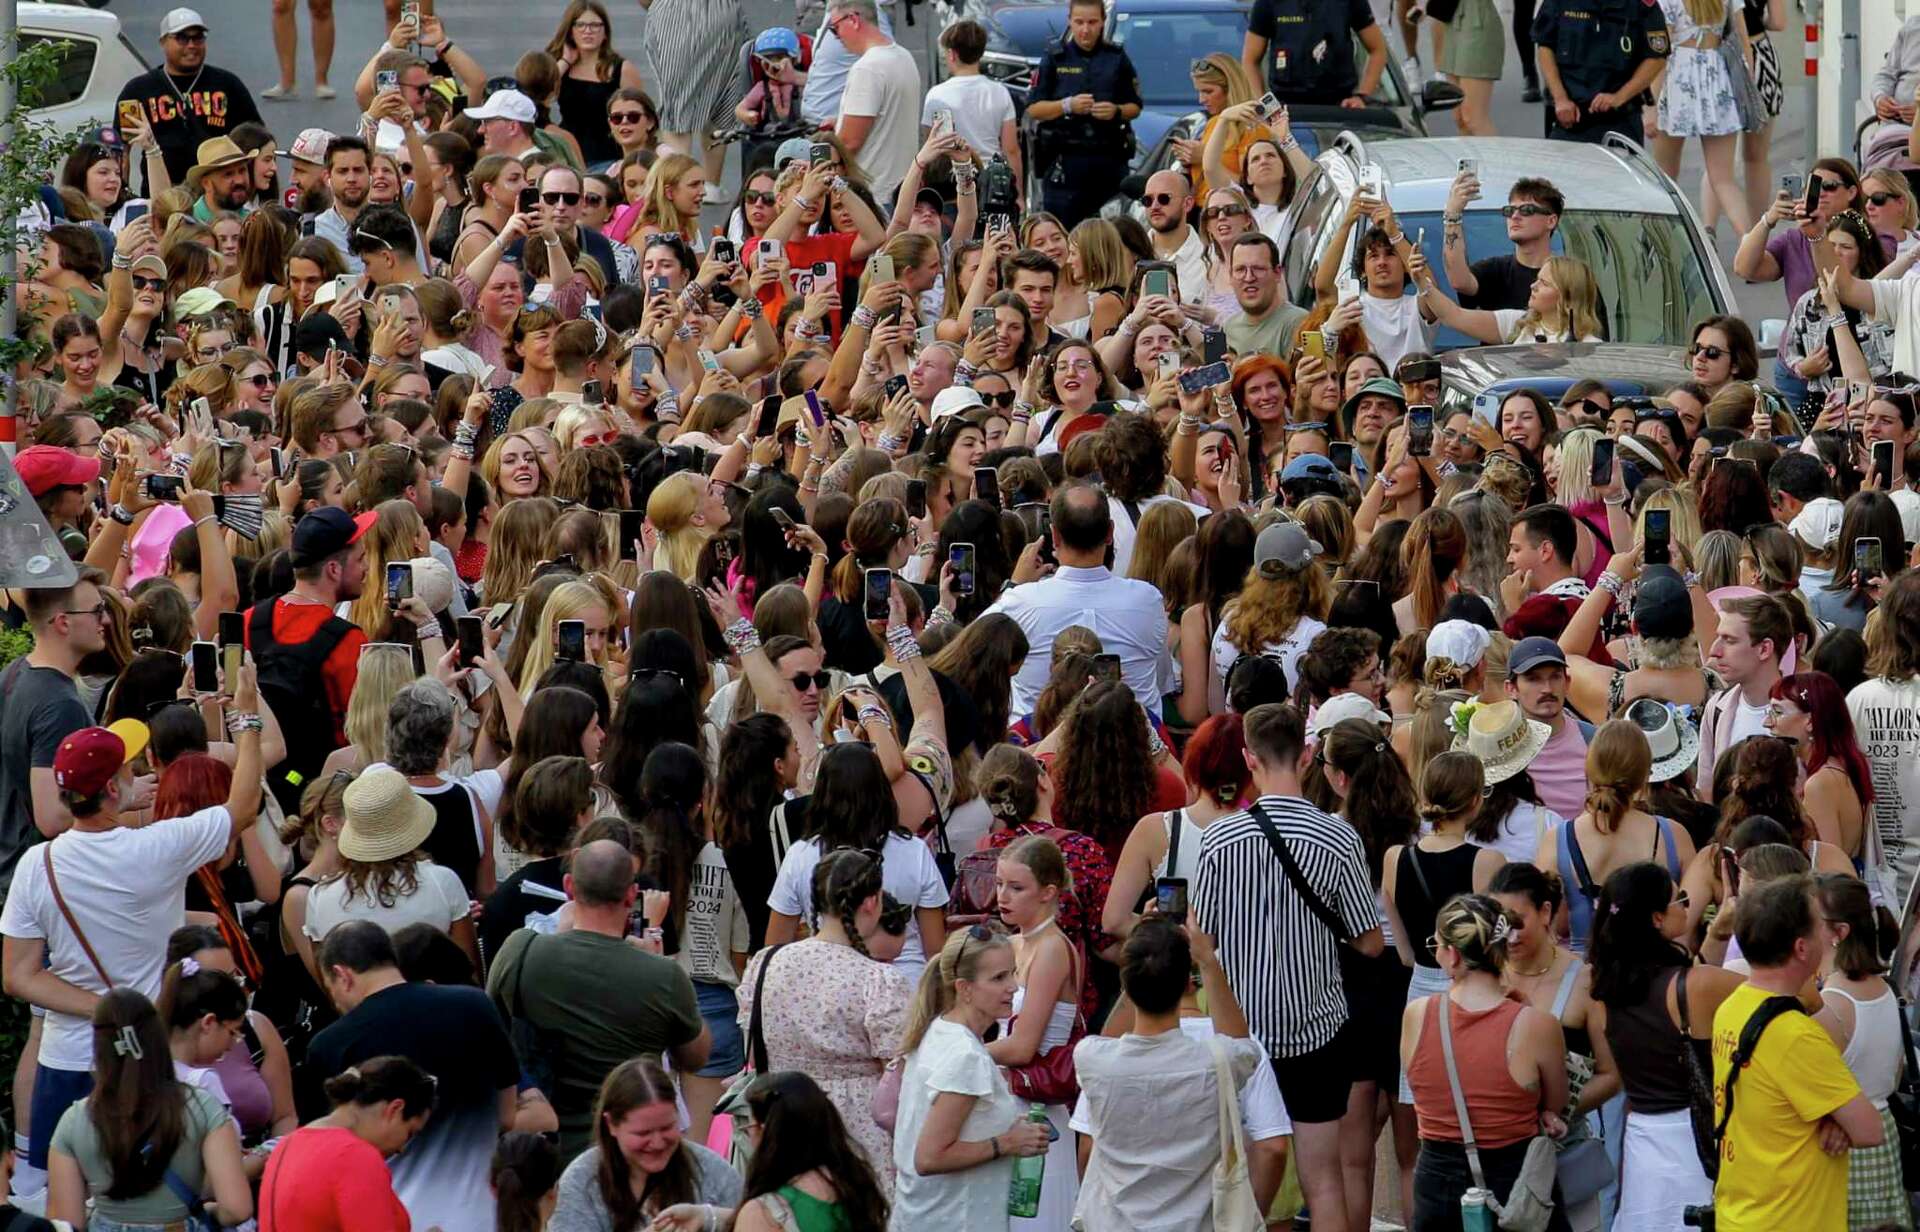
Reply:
x=733, y=1101
x=1904, y=1101
x=1529, y=1204
x=528, y=1042
x=1235, y=1208
x=1354, y=974
x=66, y=912
x=1699, y=1088
x=1746, y=98
x=1584, y=1168
x=1050, y=1078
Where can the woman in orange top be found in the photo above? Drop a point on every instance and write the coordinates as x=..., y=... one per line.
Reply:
x=1220, y=83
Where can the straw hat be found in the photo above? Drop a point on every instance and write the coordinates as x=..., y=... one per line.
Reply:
x=1675, y=743
x=385, y=818
x=1504, y=739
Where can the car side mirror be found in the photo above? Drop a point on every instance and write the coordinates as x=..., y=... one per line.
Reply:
x=1437, y=95
x=1133, y=187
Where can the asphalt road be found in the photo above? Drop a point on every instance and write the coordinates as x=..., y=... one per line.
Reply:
x=498, y=32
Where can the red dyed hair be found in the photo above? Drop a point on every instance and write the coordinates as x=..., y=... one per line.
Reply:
x=191, y=782
x=1831, y=728
x=1214, y=763
x=1257, y=363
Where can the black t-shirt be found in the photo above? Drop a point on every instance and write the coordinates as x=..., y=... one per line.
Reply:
x=1310, y=47
x=187, y=110
x=538, y=887
x=1504, y=283
x=454, y=1034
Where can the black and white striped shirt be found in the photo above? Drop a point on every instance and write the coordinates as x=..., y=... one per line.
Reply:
x=1279, y=957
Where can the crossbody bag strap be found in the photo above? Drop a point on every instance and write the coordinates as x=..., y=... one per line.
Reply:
x=60, y=901
x=1445, y=1014
x=1298, y=879
x=1583, y=877
x=1770, y=1009
x=755, y=1039
x=1174, y=826
x=1909, y=1070
x=1565, y=993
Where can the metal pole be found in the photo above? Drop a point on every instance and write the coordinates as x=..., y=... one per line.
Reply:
x=1813, y=82
x=9, y=262
x=1851, y=83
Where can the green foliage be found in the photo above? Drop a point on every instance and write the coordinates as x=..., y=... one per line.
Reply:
x=14, y=643
x=29, y=161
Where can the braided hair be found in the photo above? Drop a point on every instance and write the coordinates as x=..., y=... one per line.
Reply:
x=844, y=879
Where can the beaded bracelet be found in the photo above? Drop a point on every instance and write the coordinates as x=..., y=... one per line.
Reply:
x=467, y=434
x=741, y=637
x=900, y=641
x=751, y=308
x=876, y=715
x=940, y=615
x=863, y=318
x=243, y=721
x=429, y=631
x=1611, y=583
x=887, y=442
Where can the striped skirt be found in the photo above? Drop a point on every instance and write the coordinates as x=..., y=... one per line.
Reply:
x=693, y=49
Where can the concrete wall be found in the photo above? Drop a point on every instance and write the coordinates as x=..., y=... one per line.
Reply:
x=1854, y=37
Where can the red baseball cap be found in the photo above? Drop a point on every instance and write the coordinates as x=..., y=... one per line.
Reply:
x=46, y=467
x=87, y=760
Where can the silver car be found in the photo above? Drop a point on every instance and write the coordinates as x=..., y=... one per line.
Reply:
x=1653, y=263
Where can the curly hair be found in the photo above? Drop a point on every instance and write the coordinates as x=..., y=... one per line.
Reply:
x=1103, y=771
x=1267, y=609
x=1758, y=789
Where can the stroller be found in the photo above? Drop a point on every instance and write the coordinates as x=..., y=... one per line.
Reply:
x=778, y=119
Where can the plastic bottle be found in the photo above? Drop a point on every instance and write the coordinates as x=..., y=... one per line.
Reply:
x=1023, y=1192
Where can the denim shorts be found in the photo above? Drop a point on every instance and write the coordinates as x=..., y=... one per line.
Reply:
x=54, y=1091
x=721, y=1009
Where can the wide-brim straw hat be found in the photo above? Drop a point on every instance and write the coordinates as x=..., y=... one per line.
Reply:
x=1675, y=743
x=1504, y=739
x=386, y=819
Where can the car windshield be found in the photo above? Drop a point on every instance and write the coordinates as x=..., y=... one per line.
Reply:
x=1163, y=47
x=1651, y=283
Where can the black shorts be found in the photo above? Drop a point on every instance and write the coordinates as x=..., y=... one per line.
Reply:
x=1377, y=999
x=1315, y=1085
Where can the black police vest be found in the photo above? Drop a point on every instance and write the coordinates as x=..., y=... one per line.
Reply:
x=1310, y=56
x=1594, y=45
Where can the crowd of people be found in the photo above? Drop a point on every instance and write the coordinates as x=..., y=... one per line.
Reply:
x=893, y=711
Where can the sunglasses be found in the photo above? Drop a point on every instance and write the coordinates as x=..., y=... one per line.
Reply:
x=190, y=36
x=818, y=680
x=1233, y=209
x=1153, y=199
x=1881, y=198
x=754, y=197
x=259, y=380
x=1711, y=352
x=560, y=198
x=627, y=117
x=1003, y=399
x=1528, y=210
x=593, y=198
x=141, y=283
x=1590, y=407
x=1827, y=185
x=370, y=237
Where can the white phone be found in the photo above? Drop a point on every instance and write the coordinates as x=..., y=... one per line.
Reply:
x=1370, y=184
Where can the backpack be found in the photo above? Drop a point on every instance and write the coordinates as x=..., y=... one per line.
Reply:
x=291, y=683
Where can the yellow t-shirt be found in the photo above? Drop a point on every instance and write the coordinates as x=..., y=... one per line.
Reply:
x=1773, y=1174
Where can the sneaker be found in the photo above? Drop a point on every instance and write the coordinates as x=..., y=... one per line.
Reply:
x=280, y=94
x=323, y=90
x=1532, y=93
x=1410, y=69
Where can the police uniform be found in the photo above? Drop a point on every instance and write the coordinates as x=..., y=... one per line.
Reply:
x=1310, y=47
x=1085, y=159
x=1598, y=45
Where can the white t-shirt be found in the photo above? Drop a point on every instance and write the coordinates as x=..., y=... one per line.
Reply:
x=1898, y=301
x=1395, y=326
x=951, y=1058
x=885, y=84
x=907, y=872
x=1886, y=719
x=1224, y=654
x=1124, y=530
x=1747, y=721
x=980, y=106
x=126, y=889
x=1509, y=320
x=438, y=899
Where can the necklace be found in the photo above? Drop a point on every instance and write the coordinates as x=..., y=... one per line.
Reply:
x=1553, y=956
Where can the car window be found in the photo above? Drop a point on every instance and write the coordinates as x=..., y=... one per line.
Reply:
x=1163, y=47
x=1309, y=237
x=1651, y=283
x=69, y=83
x=1388, y=94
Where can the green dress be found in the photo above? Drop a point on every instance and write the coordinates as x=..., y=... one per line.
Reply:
x=807, y=1213
x=1476, y=43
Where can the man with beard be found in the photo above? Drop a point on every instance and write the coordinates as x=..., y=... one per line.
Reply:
x=1169, y=199
x=348, y=181
x=308, y=156
x=186, y=100
x=560, y=190
x=1537, y=679
x=225, y=174
x=1267, y=323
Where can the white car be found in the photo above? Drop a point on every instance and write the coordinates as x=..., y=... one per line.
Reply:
x=97, y=65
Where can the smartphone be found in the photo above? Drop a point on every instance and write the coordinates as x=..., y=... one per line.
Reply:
x=233, y=634
x=820, y=154
x=883, y=268
x=591, y=394
x=942, y=123
x=1812, y=198
x=279, y=457
x=399, y=582
x=1213, y=344
x=630, y=529
x=770, y=250
x=529, y=199
x=782, y=518
x=472, y=640
x=1269, y=105
x=641, y=361
x=1370, y=182
x=136, y=210
x=1169, y=363
x=723, y=250
x=1792, y=187
x=130, y=114
x=345, y=286
x=1340, y=453
x=709, y=362
x=1601, y=473
x=986, y=485
x=983, y=320
x=162, y=487
x=879, y=589
x=1314, y=342
x=822, y=271
x=1170, y=893
x=961, y=555
x=1043, y=531
x=657, y=285
x=1470, y=166
x=1883, y=464
x=815, y=412
x=570, y=641
x=1106, y=667
x=206, y=667
x=410, y=11
x=1657, y=544
x=1157, y=282
x=1204, y=377
x=769, y=417
x=1867, y=561
x=386, y=79
x=894, y=385
x=1419, y=431
x=202, y=416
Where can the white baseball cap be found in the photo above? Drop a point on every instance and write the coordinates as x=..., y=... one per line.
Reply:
x=504, y=105
x=953, y=400
x=1818, y=523
x=181, y=19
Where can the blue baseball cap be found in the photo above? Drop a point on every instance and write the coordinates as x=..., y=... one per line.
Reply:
x=778, y=39
x=1309, y=466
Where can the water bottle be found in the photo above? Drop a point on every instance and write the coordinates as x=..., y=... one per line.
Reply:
x=1475, y=1213
x=1023, y=1192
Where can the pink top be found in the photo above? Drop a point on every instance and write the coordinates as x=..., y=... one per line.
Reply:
x=1560, y=771
x=153, y=542
x=570, y=301
x=250, y=1100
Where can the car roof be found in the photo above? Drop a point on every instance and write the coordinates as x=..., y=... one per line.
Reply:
x=1654, y=369
x=74, y=18
x=1419, y=173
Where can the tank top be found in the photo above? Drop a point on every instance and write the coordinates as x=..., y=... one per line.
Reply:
x=455, y=841
x=1423, y=881
x=1873, y=1051
x=1647, y=1046
x=1503, y=1112
x=1576, y=877
x=1183, y=846
x=247, y=1091
x=583, y=109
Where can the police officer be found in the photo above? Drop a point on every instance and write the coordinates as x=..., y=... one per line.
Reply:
x=1597, y=57
x=1303, y=50
x=1084, y=95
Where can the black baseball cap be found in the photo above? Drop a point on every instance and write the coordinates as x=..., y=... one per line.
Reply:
x=326, y=531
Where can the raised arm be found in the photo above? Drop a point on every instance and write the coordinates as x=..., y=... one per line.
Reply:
x=1476, y=323
x=1453, y=248
x=219, y=587
x=243, y=801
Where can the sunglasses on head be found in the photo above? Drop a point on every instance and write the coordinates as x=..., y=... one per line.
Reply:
x=1525, y=210
x=560, y=198
x=819, y=680
x=1307, y=425
x=1153, y=199
x=370, y=237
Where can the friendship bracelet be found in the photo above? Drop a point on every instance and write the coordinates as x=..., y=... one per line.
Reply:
x=741, y=637
x=751, y=308
x=1611, y=583
x=900, y=641
x=887, y=442
x=863, y=318
x=430, y=631
x=940, y=615
x=243, y=721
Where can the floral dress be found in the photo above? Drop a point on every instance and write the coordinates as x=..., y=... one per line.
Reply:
x=837, y=1016
x=1697, y=100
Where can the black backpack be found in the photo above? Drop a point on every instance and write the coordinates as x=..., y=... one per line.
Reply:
x=291, y=683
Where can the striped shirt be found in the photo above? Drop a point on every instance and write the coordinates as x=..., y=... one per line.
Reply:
x=1280, y=959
